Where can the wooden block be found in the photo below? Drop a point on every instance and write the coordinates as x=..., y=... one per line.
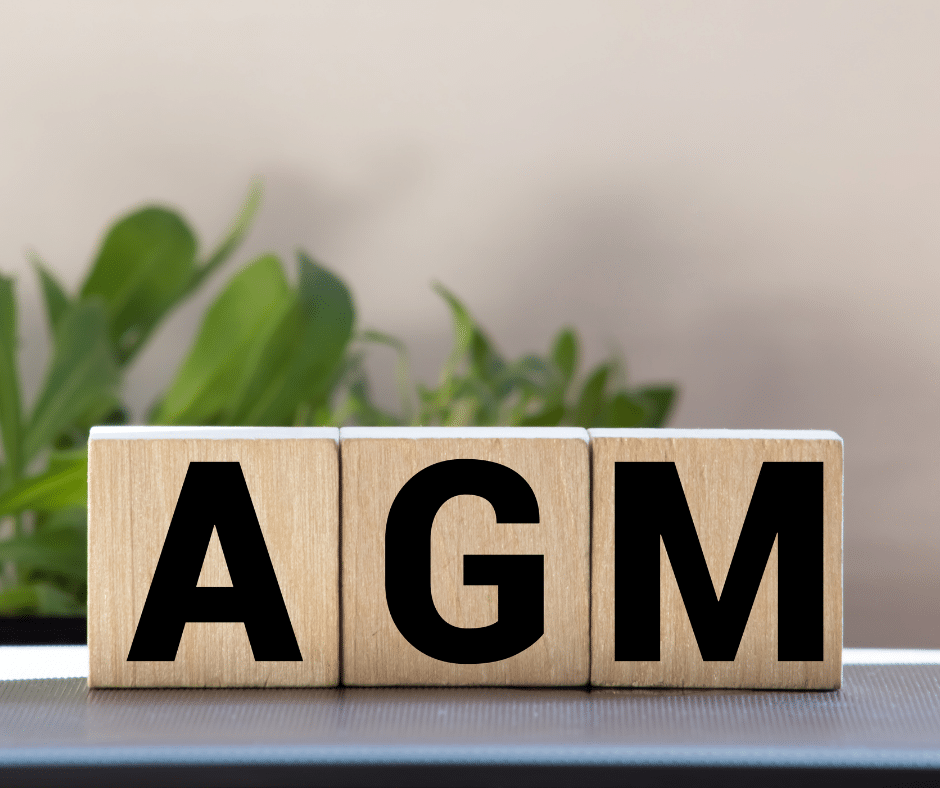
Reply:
x=250, y=563
x=464, y=602
x=671, y=508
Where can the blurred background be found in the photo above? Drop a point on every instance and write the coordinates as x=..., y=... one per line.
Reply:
x=743, y=198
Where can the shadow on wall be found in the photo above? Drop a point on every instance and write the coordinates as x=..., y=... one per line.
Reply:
x=314, y=210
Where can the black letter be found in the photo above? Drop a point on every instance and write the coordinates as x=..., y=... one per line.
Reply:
x=787, y=504
x=214, y=493
x=520, y=578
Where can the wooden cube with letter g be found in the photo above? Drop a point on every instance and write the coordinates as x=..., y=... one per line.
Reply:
x=465, y=556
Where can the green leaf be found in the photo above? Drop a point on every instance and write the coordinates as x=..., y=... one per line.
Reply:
x=549, y=417
x=265, y=369
x=358, y=408
x=235, y=235
x=402, y=368
x=64, y=484
x=623, y=411
x=299, y=362
x=11, y=415
x=486, y=363
x=72, y=518
x=241, y=317
x=659, y=401
x=145, y=265
x=53, y=601
x=590, y=407
x=565, y=353
x=464, y=325
x=18, y=599
x=54, y=295
x=81, y=378
x=42, y=598
x=470, y=341
x=531, y=373
x=68, y=459
x=56, y=552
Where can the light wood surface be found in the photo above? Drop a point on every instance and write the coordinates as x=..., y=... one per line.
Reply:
x=718, y=475
x=374, y=471
x=133, y=490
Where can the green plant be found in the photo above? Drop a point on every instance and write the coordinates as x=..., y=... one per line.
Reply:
x=478, y=386
x=267, y=353
x=147, y=263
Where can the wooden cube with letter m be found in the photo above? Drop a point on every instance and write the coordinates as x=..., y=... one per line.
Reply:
x=717, y=559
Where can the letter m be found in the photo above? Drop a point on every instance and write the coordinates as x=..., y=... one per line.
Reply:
x=786, y=506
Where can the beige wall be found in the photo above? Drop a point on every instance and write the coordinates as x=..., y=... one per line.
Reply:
x=744, y=197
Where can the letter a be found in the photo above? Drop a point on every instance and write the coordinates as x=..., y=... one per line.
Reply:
x=214, y=495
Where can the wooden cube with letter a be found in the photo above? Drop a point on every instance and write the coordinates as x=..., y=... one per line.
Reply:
x=213, y=557
x=465, y=556
x=717, y=559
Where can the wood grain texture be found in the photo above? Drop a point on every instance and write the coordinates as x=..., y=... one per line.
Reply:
x=718, y=476
x=133, y=489
x=374, y=471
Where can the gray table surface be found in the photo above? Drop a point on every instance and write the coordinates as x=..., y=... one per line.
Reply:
x=882, y=727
